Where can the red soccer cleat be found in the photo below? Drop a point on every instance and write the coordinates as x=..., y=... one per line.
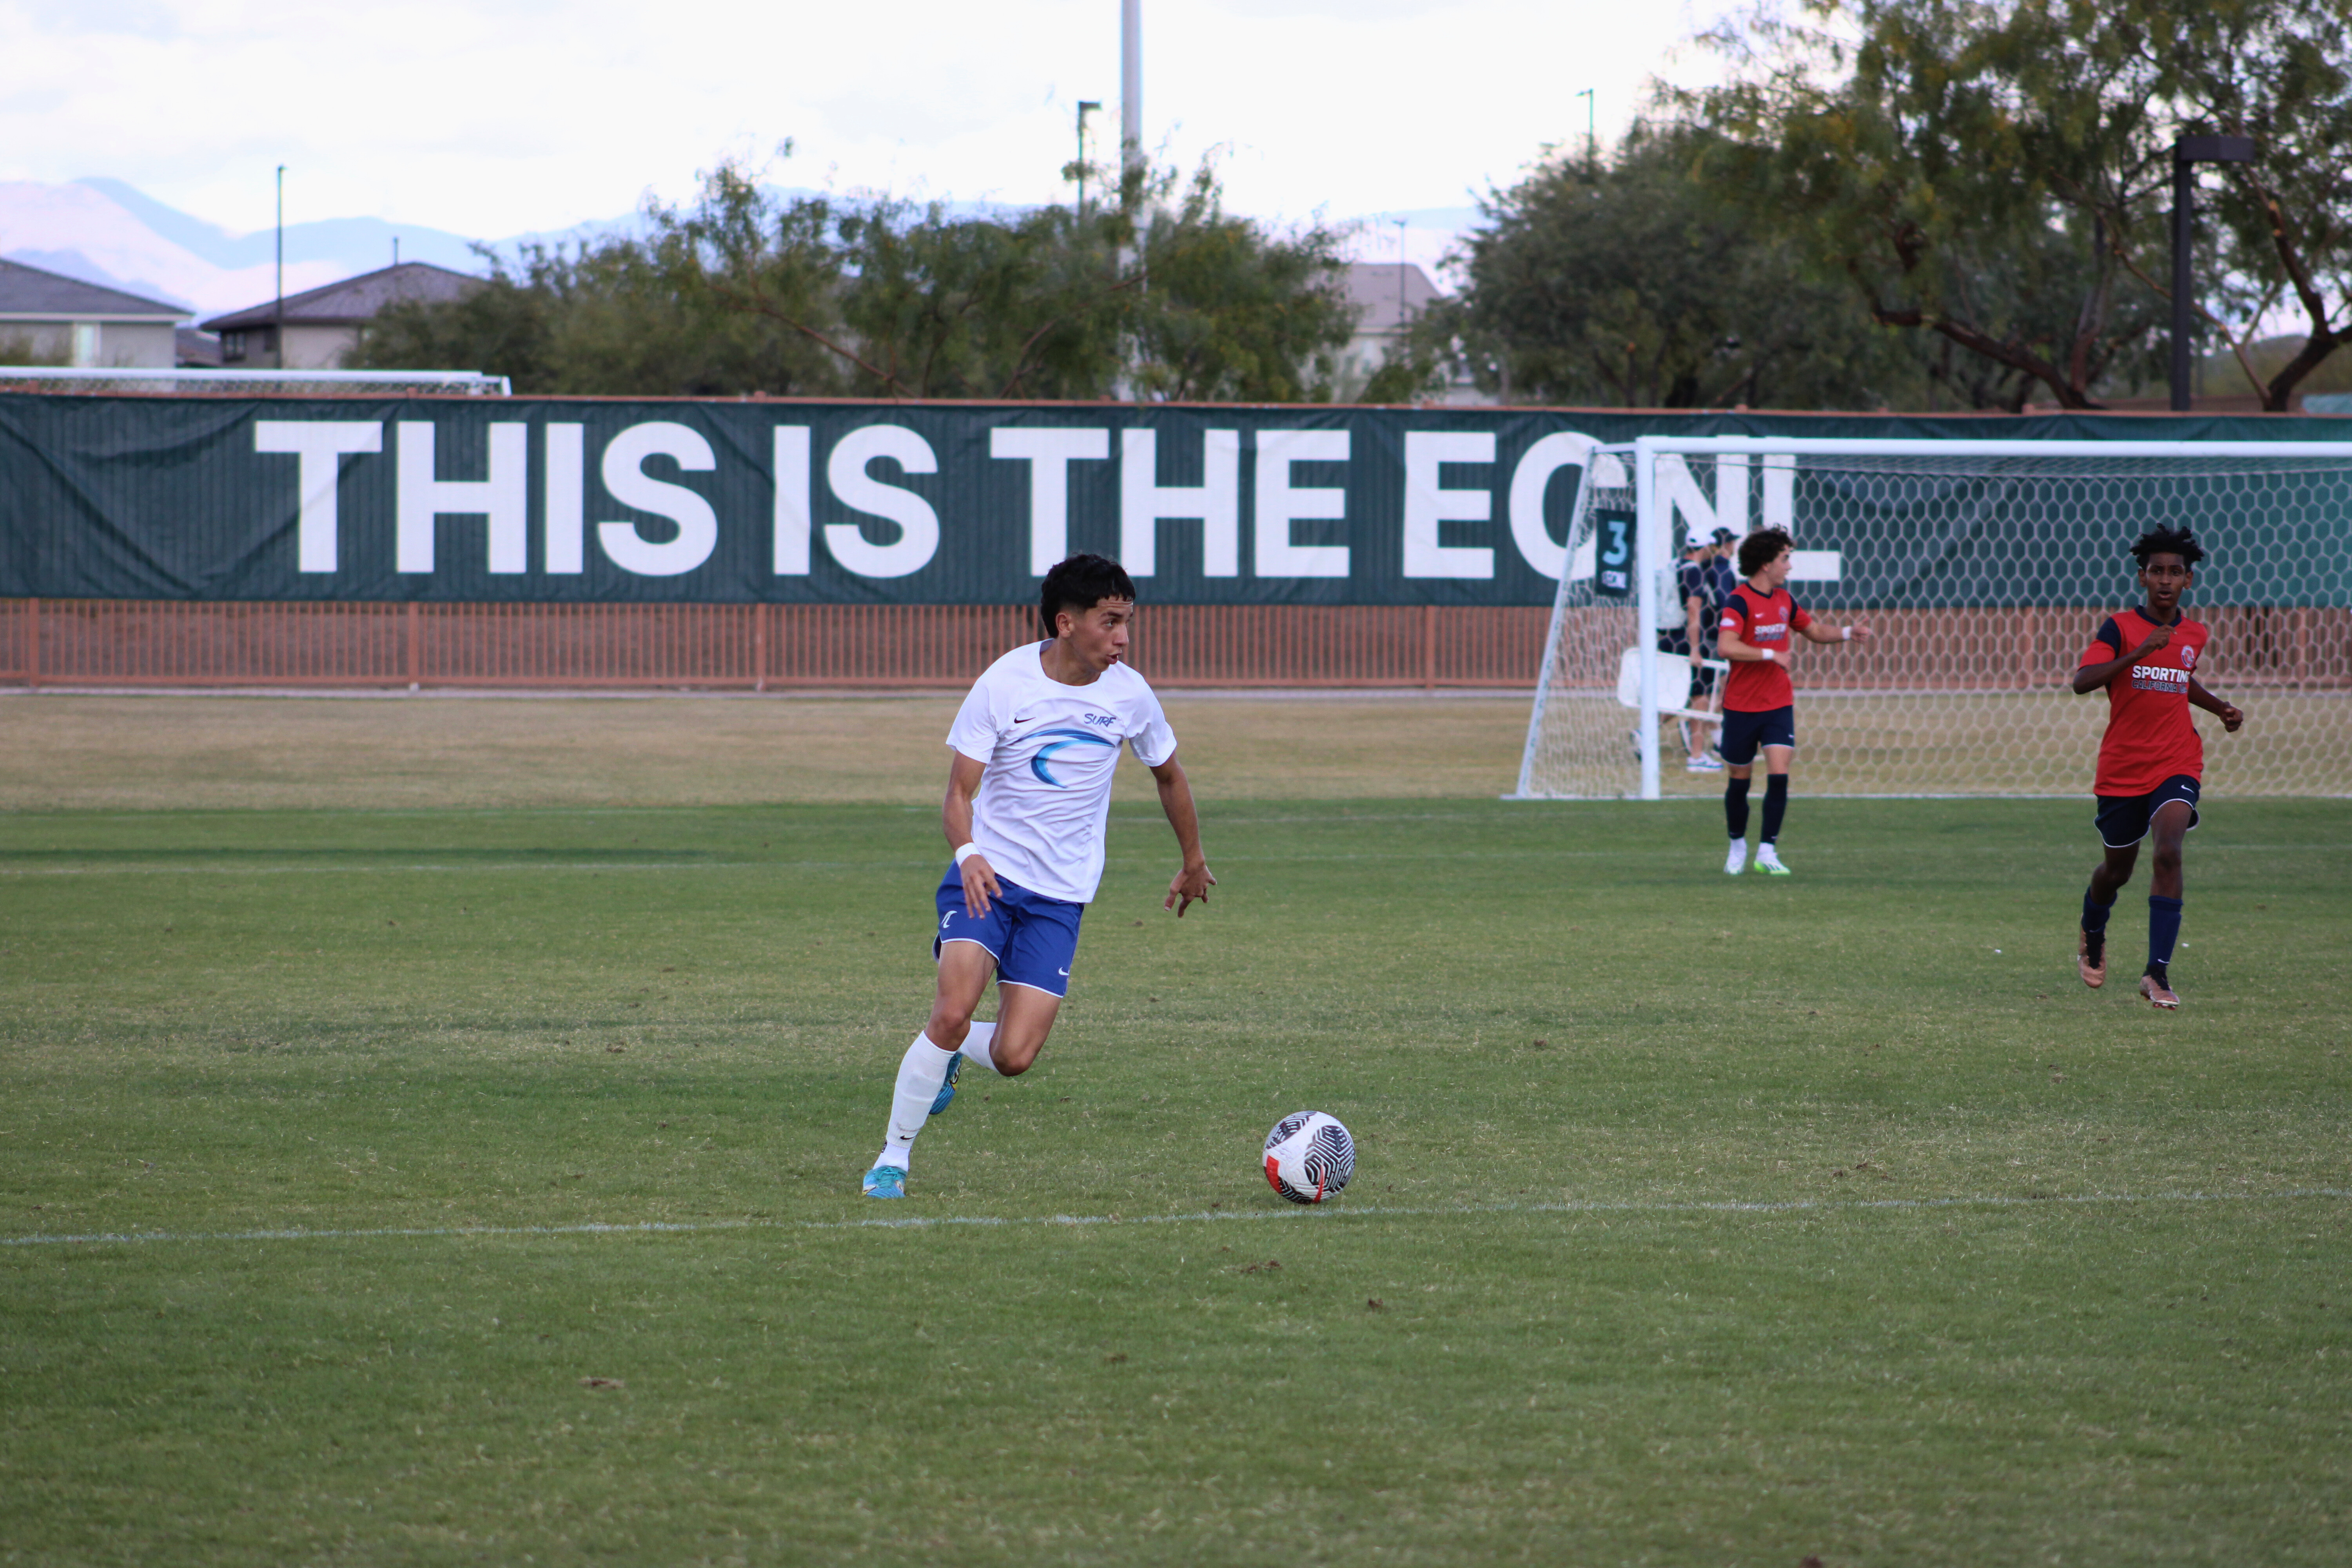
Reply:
x=2158, y=993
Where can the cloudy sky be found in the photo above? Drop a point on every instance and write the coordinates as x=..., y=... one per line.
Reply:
x=495, y=115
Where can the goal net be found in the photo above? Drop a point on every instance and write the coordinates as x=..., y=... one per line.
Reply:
x=1983, y=568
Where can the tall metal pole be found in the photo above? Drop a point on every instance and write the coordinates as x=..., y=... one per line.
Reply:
x=278, y=331
x=1130, y=85
x=2187, y=153
x=2183, y=192
x=1084, y=108
x=1399, y=223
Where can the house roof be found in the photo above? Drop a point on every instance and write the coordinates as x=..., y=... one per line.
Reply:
x=195, y=349
x=1373, y=289
x=34, y=292
x=355, y=301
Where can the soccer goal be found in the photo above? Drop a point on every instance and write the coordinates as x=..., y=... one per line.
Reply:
x=1984, y=567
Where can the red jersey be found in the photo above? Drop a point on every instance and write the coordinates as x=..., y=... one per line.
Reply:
x=2149, y=737
x=1757, y=686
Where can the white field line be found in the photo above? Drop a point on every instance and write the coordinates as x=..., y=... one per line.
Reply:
x=922, y=1222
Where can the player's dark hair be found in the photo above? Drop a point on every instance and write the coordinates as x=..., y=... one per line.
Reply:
x=1758, y=549
x=1079, y=584
x=2168, y=541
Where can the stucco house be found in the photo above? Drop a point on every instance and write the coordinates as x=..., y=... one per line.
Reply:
x=48, y=318
x=322, y=326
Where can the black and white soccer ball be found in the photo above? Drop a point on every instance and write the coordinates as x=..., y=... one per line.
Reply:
x=1309, y=1156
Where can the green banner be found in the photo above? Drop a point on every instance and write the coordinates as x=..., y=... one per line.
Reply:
x=565, y=500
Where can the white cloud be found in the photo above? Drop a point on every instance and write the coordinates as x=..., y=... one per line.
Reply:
x=496, y=116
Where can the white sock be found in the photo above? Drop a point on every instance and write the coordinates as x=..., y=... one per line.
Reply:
x=920, y=1072
x=976, y=1046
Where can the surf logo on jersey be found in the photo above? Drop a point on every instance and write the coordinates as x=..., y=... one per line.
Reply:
x=1067, y=738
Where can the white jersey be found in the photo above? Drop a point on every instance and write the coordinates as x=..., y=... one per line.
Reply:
x=1051, y=751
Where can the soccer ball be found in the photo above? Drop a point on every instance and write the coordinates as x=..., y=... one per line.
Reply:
x=1309, y=1157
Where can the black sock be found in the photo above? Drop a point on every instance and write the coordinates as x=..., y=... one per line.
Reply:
x=2095, y=913
x=2095, y=928
x=1735, y=807
x=1776, y=805
x=2163, y=930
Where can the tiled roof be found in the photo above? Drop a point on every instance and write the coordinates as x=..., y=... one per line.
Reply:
x=354, y=300
x=31, y=292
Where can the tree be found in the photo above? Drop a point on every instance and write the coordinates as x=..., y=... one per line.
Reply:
x=2275, y=70
x=1228, y=310
x=1999, y=174
x=1157, y=294
x=622, y=316
x=1628, y=281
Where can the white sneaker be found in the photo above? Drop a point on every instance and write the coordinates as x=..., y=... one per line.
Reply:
x=1768, y=858
x=1702, y=764
x=1737, y=861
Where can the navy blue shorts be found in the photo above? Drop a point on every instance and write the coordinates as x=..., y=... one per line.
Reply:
x=1033, y=938
x=1744, y=732
x=2123, y=818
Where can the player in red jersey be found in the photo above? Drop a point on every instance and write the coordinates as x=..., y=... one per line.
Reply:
x=1760, y=706
x=2151, y=760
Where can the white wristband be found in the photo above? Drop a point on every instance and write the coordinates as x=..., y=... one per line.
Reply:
x=1845, y=634
x=966, y=853
x=1765, y=654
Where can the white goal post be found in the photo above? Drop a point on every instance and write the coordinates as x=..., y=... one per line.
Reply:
x=1984, y=567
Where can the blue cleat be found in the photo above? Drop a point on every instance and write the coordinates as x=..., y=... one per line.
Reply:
x=885, y=1182
x=947, y=1091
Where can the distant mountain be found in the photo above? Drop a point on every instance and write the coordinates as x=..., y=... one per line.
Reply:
x=108, y=232
x=105, y=231
x=355, y=244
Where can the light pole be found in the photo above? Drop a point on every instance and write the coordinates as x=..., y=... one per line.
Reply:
x=1590, y=126
x=1086, y=106
x=278, y=331
x=2187, y=153
x=1401, y=320
x=1130, y=85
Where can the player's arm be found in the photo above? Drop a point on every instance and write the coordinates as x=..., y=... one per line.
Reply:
x=2094, y=676
x=1813, y=631
x=2228, y=713
x=955, y=818
x=1691, y=621
x=1193, y=881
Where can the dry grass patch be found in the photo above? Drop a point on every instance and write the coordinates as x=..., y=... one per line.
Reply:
x=141, y=754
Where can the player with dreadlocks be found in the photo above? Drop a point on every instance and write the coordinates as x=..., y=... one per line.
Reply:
x=2151, y=760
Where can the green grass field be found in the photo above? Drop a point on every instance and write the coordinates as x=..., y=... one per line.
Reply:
x=479, y=1185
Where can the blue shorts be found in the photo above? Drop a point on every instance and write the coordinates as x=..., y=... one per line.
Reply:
x=2123, y=819
x=1744, y=732
x=1033, y=938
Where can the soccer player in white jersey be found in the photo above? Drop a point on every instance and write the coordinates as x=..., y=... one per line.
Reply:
x=1036, y=745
